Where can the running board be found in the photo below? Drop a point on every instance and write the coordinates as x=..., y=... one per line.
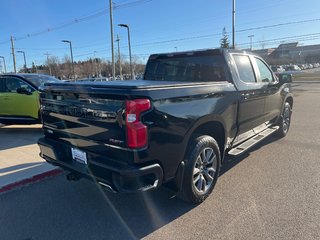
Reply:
x=252, y=141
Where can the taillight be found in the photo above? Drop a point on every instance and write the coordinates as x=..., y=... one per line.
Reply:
x=137, y=132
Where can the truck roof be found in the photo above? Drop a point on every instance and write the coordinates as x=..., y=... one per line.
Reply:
x=209, y=51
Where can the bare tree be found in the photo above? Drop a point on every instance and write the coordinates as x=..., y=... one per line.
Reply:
x=89, y=68
x=67, y=67
x=53, y=64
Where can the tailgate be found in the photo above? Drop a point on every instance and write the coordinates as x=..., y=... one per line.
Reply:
x=84, y=119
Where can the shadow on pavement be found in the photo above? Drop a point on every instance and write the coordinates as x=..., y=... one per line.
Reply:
x=146, y=212
x=232, y=161
x=20, y=167
x=18, y=136
x=21, y=172
x=57, y=209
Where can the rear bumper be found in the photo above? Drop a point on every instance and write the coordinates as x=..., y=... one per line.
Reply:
x=119, y=177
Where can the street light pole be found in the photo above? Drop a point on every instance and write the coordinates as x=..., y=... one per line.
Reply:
x=119, y=57
x=250, y=36
x=112, y=41
x=129, y=42
x=25, y=62
x=4, y=63
x=233, y=23
x=72, y=66
x=13, y=55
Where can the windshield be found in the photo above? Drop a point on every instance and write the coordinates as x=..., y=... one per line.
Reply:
x=186, y=68
x=39, y=80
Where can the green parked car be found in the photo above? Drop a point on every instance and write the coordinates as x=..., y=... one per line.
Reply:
x=19, y=97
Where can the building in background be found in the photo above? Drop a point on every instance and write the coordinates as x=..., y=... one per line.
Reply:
x=287, y=53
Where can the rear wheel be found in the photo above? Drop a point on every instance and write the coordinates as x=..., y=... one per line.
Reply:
x=284, y=121
x=201, y=170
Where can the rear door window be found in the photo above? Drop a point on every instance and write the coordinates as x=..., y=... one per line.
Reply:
x=265, y=73
x=245, y=69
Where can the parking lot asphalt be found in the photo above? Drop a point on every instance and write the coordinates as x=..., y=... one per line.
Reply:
x=19, y=155
x=270, y=192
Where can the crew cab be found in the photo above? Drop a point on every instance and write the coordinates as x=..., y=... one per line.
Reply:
x=173, y=126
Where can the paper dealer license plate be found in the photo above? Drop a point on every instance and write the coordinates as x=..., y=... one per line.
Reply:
x=79, y=156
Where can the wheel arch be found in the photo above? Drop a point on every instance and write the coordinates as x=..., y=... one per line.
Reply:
x=289, y=99
x=213, y=127
x=209, y=125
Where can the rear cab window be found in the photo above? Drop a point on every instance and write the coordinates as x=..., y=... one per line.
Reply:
x=187, y=67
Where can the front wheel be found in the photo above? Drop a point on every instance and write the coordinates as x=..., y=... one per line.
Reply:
x=284, y=121
x=201, y=170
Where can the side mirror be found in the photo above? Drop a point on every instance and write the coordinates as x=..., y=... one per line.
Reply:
x=285, y=78
x=22, y=90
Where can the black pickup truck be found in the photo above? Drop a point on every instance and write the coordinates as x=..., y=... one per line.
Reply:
x=174, y=126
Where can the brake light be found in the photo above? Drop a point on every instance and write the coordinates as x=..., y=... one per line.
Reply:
x=137, y=132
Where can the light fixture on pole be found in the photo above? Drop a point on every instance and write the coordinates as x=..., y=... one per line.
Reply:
x=25, y=62
x=70, y=45
x=129, y=42
x=4, y=63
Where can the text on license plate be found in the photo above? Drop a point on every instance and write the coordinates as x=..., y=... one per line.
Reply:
x=79, y=156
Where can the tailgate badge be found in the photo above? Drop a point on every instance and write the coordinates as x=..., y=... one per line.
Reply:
x=59, y=98
x=115, y=141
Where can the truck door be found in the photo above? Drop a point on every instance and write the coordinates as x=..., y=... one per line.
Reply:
x=251, y=94
x=273, y=102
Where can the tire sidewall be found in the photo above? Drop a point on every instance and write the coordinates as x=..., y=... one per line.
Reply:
x=281, y=132
x=197, y=146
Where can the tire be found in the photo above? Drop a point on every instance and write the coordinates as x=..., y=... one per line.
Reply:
x=284, y=121
x=201, y=169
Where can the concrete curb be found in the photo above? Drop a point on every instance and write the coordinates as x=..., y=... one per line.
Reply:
x=35, y=178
